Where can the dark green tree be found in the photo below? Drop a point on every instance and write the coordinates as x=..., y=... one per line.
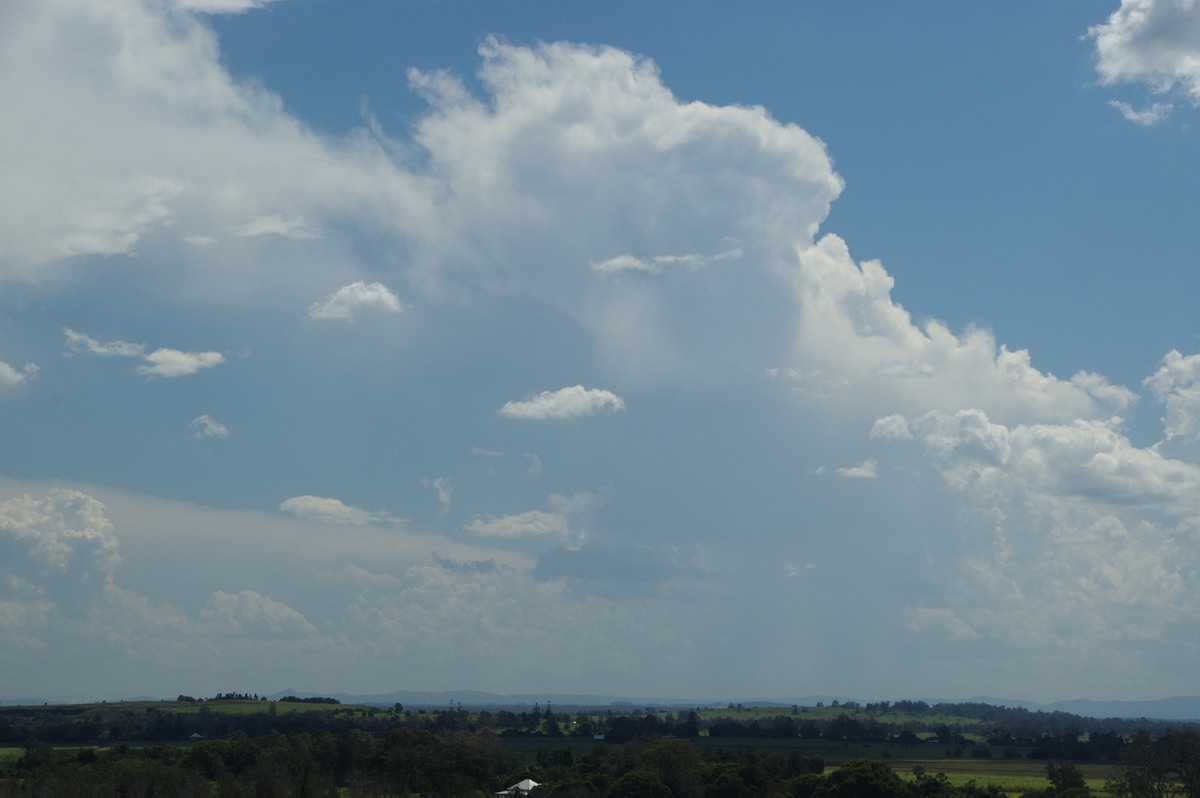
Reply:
x=1145, y=769
x=1064, y=776
x=866, y=778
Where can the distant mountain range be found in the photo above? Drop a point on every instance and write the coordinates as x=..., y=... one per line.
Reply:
x=1180, y=708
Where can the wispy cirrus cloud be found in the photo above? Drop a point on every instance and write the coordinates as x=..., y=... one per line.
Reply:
x=571, y=402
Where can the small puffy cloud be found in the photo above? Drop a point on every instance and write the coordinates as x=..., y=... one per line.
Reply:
x=253, y=614
x=11, y=378
x=866, y=470
x=569, y=514
x=563, y=403
x=200, y=241
x=1150, y=115
x=206, y=426
x=160, y=362
x=276, y=224
x=332, y=511
x=534, y=523
x=348, y=300
x=1156, y=42
x=173, y=363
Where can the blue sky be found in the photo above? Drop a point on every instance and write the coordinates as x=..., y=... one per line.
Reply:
x=649, y=349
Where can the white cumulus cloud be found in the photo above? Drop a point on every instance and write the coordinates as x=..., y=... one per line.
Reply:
x=1155, y=42
x=10, y=377
x=564, y=403
x=1081, y=530
x=159, y=363
x=173, y=363
x=865, y=470
x=1177, y=386
x=206, y=426
x=345, y=302
x=854, y=341
x=333, y=511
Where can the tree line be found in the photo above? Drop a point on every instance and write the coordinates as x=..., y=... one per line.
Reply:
x=455, y=762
